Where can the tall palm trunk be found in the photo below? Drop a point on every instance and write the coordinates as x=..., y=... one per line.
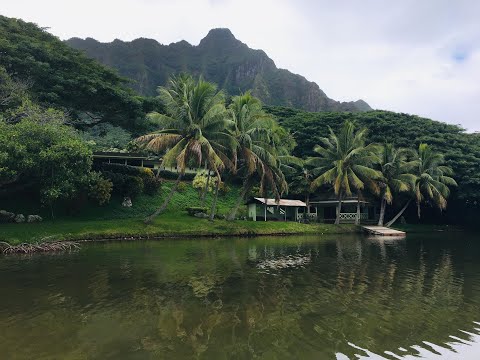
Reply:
x=162, y=208
x=383, y=206
x=391, y=222
x=240, y=198
x=339, y=209
x=214, y=203
x=205, y=190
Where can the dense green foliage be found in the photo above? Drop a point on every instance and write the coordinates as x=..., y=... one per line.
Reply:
x=58, y=76
x=460, y=149
x=219, y=58
x=48, y=157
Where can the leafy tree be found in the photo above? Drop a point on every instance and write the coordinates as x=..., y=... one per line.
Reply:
x=433, y=179
x=193, y=130
x=345, y=162
x=397, y=176
x=258, y=147
x=48, y=157
x=301, y=184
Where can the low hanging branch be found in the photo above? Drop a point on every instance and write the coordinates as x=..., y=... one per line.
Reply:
x=26, y=248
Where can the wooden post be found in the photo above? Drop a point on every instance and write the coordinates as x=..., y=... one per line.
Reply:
x=265, y=212
x=285, y=213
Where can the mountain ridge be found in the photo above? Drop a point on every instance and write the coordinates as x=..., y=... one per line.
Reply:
x=220, y=58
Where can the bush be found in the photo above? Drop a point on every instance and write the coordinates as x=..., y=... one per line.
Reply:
x=152, y=185
x=100, y=189
x=192, y=210
x=170, y=175
x=118, y=181
x=133, y=186
x=224, y=189
x=182, y=187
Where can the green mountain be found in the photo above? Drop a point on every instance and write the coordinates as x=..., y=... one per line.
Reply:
x=64, y=78
x=219, y=58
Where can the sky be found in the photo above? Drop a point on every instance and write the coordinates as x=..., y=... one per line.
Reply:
x=414, y=56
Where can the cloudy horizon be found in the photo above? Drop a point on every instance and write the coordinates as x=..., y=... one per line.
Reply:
x=414, y=57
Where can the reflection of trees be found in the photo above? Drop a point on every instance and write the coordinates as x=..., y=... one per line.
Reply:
x=207, y=299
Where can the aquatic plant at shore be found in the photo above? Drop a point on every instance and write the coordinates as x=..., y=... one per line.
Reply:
x=26, y=248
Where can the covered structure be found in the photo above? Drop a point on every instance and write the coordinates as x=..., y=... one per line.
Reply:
x=325, y=210
x=131, y=159
x=270, y=209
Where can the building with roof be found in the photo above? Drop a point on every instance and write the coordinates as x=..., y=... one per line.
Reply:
x=261, y=209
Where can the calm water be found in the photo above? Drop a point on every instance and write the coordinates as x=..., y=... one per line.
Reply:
x=342, y=297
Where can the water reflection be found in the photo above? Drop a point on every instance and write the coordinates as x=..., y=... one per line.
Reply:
x=341, y=297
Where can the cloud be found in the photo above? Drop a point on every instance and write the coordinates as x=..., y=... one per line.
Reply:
x=420, y=57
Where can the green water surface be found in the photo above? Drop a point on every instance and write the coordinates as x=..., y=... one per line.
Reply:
x=340, y=297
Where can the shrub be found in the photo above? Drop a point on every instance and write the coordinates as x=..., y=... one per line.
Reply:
x=133, y=185
x=192, y=210
x=200, y=181
x=146, y=173
x=170, y=175
x=118, y=181
x=224, y=189
x=182, y=187
x=100, y=189
x=151, y=185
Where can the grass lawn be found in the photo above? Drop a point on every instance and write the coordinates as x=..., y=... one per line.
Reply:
x=115, y=221
x=168, y=225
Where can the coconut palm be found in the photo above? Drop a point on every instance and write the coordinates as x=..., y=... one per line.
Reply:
x=258, y=148
x=345, y=162
x=432, y=182
x=397, y=176
x=194, y=129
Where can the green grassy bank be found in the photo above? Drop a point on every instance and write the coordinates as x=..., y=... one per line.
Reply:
x=168, y=225
x=115, y=221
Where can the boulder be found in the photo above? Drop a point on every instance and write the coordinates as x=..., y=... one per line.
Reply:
x=34, y=218
x=201, y=215
x=19, y=218
x=6, y=216
x=127, y=202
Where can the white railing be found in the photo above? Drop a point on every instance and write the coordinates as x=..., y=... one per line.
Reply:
x=353, y=216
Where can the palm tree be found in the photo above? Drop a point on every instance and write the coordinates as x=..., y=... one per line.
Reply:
x=396, y=176
x=301, y=183
x=258, y=148
x=432, y=182
x=345, y=162
x=193, y=130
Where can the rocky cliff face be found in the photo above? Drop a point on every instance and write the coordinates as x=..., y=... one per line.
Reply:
x=219, y=58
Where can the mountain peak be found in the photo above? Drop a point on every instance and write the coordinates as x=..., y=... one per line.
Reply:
x=218, y=35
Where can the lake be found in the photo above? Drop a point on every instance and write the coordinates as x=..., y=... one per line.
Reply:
x=336, y=297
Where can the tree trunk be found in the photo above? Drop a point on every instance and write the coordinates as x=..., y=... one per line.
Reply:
x=383, y=206
x=240, y=198
x=215, y=197
x=339, y=210
x=205, y=190
x=418, y=209
x=307, y=201
x=162, y=208
x=357, y=218
x=391, y=222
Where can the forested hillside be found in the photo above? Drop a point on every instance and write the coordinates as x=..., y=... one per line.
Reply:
x=219, y=58
x=461, y=149
x=56, y=75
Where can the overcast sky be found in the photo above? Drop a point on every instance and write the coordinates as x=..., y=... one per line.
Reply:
x=415, y=56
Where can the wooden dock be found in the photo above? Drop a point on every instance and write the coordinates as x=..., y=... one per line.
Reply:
x=383, y=231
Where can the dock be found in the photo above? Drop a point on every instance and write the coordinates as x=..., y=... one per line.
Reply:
x=383, y=231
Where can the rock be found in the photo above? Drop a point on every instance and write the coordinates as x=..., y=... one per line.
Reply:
x=20, y=218
x=201, y=215
x=34, y=218
x=127, y=202
x=6, y=216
